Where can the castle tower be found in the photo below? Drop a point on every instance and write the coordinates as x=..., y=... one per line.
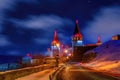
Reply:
x=77, y=36
x=55, y=45
x=98, y=40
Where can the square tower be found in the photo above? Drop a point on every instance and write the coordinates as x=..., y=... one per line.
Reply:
x=77, y=36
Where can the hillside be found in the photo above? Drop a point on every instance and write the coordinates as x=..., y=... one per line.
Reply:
x=108, y=57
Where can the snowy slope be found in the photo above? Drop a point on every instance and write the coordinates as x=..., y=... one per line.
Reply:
x=108, y=57
x=108, y=51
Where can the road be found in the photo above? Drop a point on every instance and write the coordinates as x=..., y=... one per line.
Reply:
x=76, y=72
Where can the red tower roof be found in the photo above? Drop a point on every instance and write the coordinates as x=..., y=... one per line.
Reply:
x=77, y=30
x=99, y=40
x=55, y=39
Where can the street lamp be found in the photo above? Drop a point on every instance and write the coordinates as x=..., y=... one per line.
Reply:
x=69, y=54
x=57, y=45
x=67, y=57
x=66, y=51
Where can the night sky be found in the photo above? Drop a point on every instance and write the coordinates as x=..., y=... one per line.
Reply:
x=27, y=26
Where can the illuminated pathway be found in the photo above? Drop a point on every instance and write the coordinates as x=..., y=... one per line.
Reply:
x=76, y=72
x=42, y=75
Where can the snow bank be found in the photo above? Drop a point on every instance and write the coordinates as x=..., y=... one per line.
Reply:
x=108, y=57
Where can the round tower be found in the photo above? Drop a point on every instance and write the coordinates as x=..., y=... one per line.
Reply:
x=55, y=45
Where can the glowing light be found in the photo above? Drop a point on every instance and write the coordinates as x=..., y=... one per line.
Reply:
x=69, y=54
x=57, y=44
x=28, y=55
x=67, y=68
x=66, y=51
x=67, y=57
x=79, y=41
x=108, y=65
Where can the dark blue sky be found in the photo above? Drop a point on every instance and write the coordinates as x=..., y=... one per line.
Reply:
x=27, y=26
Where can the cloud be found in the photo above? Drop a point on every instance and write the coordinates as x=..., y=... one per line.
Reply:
x=4, y=41
x=41, y=41
x=6, y=4
x=29, y=1
x=14, y=52
x=106, y=23
x=9, y=5
x=45, y=22
x=48, y=38
x=64, y=39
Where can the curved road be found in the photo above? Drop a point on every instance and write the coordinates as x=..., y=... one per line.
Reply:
x=76, y=72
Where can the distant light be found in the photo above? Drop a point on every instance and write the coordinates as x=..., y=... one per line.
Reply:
x=66, y=51
x=67, y=57
x=69, y=54
x=79, y=41
x=57, y=44
x=28, y=55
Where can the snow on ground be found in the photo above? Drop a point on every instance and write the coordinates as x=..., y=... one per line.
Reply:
x=42, y=75
x=108, y=57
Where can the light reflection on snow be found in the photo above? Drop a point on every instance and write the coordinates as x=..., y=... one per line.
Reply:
x=110, y=66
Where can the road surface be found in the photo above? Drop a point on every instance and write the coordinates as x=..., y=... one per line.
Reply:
x=76, y=72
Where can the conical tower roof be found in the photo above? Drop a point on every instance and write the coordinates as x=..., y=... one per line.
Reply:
x=77, y=30
x=98, y=40
x=55, y=38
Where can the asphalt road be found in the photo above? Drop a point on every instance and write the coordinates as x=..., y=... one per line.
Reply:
x=76, y=72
